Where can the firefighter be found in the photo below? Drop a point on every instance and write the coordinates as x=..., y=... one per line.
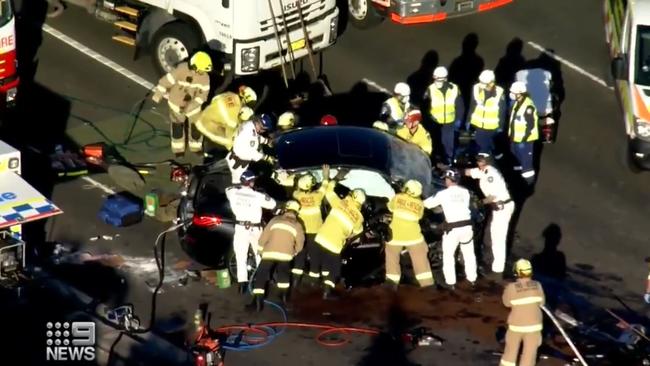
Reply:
x=186, y=88
x=411, y=131
x=525, y=297
x=446, y=109
x=498, y=199
x=487, y=112
x=282, y=238
x=343, y=221
x=646, y=297
x=247, y=145
x=219, y=120
x=310, y=198
x=407, y=210
x=394, y=108
x=247, y=205
x=523, y=130
x=458, y=231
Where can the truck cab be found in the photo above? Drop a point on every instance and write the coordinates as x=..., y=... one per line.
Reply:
x=249, y=36
x=8, y=64
x=627, y=32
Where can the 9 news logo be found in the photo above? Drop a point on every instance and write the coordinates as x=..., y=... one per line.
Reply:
x=70, y=341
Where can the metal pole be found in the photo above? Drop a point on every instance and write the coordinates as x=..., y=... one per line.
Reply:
x=566, y=336
x=286, y=35
x=307, y=41
x=277, y=38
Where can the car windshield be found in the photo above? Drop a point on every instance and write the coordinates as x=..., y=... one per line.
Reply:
x=372, y=182
x=6, y=12
x=642, y=76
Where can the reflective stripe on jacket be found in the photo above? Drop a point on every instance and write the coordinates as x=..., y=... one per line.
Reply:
x=518, y=126
x=486, y=113
x=219, y=120
x=421, y=138
x=282, y=238
x=443, y=106
x=525, y=297
x=186, y=90
x=344, y=221
x=405, y=225
x=310, y=207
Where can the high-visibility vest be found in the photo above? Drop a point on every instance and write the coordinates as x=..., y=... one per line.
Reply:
x=517, y=127
x=310, y=208
x=405, y=226
x=486, y=113
x=443, y=106
x=396, y=110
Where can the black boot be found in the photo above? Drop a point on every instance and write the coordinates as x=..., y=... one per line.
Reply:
x=243, y=288
x=257, y=304
x=390, y=285
x=295, y=282
x=328, y=294
x=284, y=296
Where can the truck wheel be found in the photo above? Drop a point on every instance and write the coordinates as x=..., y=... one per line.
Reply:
x=630, y=161
x=173, y=43
x=363, y=14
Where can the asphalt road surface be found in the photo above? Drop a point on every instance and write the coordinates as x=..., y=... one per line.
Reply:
x=585, y=187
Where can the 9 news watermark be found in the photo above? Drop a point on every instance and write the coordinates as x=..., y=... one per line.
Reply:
x=70, y=341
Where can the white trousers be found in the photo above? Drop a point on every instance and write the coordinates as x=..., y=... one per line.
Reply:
x=235, y=173
x=242, y=240
x=499, y=234
x=463, y=237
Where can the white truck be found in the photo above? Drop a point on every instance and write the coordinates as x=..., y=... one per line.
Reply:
x=250, y=35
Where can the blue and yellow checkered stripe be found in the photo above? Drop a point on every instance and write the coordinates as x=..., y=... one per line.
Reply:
x=19, y=212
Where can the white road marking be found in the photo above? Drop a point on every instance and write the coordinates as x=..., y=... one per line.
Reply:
x=570, y=65
x=99, y=58
x=99, y=185
x=106, y=62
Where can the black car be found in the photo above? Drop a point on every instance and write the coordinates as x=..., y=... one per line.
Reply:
x=374, y=160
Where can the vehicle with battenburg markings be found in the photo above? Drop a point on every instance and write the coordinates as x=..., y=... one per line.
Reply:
x=369, y=13
x=247, y=36
x=627, y=32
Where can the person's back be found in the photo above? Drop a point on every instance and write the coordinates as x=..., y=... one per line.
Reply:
x=247, y=203
x=525, y=297
x=220, y=120
x=455, y=202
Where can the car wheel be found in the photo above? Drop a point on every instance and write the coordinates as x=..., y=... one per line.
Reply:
x=630, y=161
x=173, y=44
x=363, y=14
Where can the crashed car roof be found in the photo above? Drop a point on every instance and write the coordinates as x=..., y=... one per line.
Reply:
x=354, y=146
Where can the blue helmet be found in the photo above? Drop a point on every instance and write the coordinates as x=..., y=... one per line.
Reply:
x=267, y=121
x=247, y=177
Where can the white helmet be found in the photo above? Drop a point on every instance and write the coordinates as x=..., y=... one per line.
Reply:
x=440, y=73
x=486, y=77
x=402, y=89
x=518, y=87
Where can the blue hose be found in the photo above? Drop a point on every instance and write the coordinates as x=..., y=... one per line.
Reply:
x=237, y=344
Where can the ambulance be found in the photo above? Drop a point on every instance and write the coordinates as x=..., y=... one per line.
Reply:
x=627, y=32
x=19, y=203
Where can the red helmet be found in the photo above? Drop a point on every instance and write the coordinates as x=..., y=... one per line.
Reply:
x=413, y=118
x=328, y=120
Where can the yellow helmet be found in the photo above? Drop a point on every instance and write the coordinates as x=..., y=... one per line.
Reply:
x=201, y=61
x=292, y=205
x=245, y=114
x=248, y=95
x=358, y=195
x=523, y=268
x=413, y=188
x=306, y=182
x=287, y=120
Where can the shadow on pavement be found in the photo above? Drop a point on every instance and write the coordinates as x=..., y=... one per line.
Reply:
x=465, y=69
x=510, y=63
x=420, y=79
x=388, y=347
